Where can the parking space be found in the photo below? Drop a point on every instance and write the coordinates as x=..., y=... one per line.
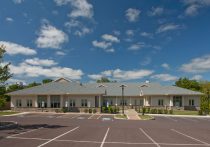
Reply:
x=94, y=132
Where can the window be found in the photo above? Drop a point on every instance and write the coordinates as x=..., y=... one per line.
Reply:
x=191, y=102
x=29, y=103
x=111, y=102
x=141, y=102
x=18, y=103
x=125, y=102
x=160, y=102
x=177, y=101
x=55, y=101
x=84, y=102
x=72, y=103
x=42, y=101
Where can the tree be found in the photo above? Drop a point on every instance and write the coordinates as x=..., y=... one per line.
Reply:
x=14, y=87
x=44, y=81
x=103, y=80
x=204, y=103
x=188, y=84
x=4, y=75
x=4, y=68
x=33, y=84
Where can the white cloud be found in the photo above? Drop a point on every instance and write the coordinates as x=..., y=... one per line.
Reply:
x=193, y=6
x=16, y=81
x=18, y=1
x=26, y=70
x=14, y=49
x=197, y=77
x=137, y=46
x=83, y=31
x=40, y=62
x=60, y=53
x=168, y=27
x=95, y=76
x=101, y=44
x=110, y=38
x=132, y=14
x=9, y=19
x=80, y=8
x=164, y=77
x=51, y=37
x=146, y=34
x=192, y=10
x=156, y=11
x=165, y=65
x=122, y=75
x=130, y=32
x=197, y=65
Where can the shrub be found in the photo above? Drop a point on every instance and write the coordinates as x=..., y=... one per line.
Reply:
x=165, y=111
x=86, y=110
x=153, y=111
x=64, y=109
x=90, y=110
x=94, y=110
x=171, y=111
x=148, y=110
x=160, y=111
x=143, y=110
x=57, y=110
x=200, y=112
x=103, y=109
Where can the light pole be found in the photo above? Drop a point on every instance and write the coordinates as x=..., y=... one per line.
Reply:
x=123, y=103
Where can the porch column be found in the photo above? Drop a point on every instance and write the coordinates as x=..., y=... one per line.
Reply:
x=116, y=101
x=145, y=101
x=183, y=97
x=171, y=101
x=130, y=101
x=48, y=101
x=61, y=101
x=35, y=101
x=99, y=101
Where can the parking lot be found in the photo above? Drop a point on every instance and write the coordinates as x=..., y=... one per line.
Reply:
x=77, y=130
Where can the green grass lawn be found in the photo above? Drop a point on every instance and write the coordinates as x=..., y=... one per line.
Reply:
x=184, y=112
x=146, y=117
x=121, y=116
x=7, y=113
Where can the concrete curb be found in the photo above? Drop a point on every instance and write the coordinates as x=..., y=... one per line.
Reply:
x=193, y=116
x=17, y=114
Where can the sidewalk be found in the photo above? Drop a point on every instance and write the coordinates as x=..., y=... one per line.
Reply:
x=193, y=116
x=132, y=114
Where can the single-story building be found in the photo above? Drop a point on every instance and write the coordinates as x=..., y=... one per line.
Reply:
x=77, y=97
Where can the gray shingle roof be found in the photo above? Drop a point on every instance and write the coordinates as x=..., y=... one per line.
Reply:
x=111, y=89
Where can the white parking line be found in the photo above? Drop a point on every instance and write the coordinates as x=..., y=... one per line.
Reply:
x=150, y=138
x=24, y=138
x=104, y=139
x=171, y=118
x=58, y=137
x=75, y=116
x=189, y=136
x=99, y=116
x=23, y=132
x=91, y=116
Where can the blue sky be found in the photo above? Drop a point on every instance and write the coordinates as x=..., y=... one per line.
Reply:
x=124, y=40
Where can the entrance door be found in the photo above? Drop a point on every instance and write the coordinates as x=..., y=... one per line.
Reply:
x=72, y=104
